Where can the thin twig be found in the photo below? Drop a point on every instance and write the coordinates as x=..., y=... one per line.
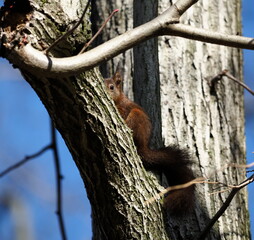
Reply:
x=69, y=31
x=227, y=74
x=176, y=187
x=236, y=165
x=227, y=165
x=59, y=177
x=26, y=159
x=224, y=206
x=98, y=32
x=197, y=181
x=221, y=191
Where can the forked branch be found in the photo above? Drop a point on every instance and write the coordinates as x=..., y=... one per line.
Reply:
x=225, y=205
x=26, y=159
x=227, y=74
x=34, y=61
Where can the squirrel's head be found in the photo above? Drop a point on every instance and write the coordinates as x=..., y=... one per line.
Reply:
x=114, y=86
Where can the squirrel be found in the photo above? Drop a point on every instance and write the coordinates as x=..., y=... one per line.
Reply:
x=171, y=160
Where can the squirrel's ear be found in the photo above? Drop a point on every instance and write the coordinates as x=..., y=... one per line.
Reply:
x=117, y=78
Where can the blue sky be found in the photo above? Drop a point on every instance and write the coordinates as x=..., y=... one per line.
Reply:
x=25, y=129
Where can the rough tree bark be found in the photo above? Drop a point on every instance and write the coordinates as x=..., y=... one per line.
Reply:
x=208, y=120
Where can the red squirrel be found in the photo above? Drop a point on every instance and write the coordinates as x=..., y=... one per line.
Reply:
x=172, y=161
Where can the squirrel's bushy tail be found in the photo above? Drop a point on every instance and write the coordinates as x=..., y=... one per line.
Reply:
x=174, y=163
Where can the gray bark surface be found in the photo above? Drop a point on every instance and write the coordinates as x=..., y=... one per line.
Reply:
x=208, y=120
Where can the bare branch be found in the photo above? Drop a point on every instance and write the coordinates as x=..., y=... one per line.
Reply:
x=227, y=165
x=34, y=61
x=59, y=177
x=176, y=187
x=183, y=5
x=69, y=31
x=236, y=165
x=99, y=31
x=224, y=206
x=52, y=146
x=203, y=35
x=227, y=74
x=200, y=180
x=26, y=159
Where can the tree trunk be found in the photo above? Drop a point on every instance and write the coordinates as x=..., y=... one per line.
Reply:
x=208, y=120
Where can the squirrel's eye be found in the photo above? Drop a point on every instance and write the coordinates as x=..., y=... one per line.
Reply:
x=111, y=87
